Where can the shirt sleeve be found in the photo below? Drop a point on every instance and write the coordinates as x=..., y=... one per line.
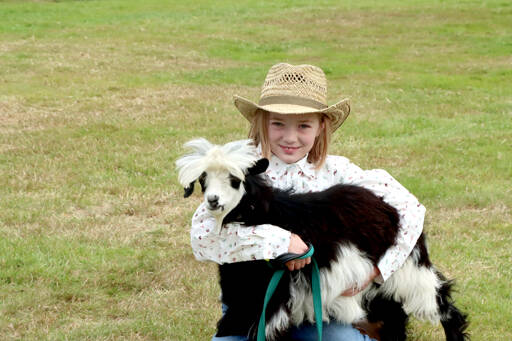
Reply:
x=411, y=212
x=234, y=242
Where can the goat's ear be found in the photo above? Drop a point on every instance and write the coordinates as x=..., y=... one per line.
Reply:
x=189, y=190
x=259, y=167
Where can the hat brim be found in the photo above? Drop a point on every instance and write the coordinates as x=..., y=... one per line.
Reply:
x=337, y=113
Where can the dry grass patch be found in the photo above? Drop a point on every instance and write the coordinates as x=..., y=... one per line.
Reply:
x=169, y=104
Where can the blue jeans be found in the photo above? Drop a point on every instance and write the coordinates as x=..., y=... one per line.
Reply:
x=307, y=332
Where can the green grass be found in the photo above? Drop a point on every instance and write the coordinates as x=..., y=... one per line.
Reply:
x=98, y=97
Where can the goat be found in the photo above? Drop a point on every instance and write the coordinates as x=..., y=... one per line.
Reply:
x=350, y=227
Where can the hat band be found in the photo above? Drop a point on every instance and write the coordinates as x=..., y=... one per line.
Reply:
x=305, y=102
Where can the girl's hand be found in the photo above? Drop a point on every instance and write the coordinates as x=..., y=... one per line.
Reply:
x=299, y=247
x=355, y=290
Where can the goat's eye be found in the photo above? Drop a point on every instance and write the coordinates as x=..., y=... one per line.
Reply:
x=235, y=182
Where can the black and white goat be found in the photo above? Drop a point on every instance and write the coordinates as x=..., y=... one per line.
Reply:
x=350, y=228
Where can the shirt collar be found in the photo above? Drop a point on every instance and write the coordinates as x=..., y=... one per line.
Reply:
x=303, y=165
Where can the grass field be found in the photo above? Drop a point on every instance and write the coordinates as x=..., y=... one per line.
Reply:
x=97, y=98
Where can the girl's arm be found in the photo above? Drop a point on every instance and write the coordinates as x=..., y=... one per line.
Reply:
x=410, y=211
x=235, y=243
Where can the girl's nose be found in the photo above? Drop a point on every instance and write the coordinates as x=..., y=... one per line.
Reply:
x=290, y=135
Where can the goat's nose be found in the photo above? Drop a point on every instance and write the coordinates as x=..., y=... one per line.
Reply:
x=213, y=200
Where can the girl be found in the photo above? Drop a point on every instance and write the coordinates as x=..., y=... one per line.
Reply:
x=292, y=126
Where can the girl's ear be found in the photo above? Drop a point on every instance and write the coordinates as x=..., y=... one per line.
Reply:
x=259, y=167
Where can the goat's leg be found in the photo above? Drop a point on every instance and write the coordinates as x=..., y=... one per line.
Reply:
x=390, y=316
x=453, y=320
x=426, y=294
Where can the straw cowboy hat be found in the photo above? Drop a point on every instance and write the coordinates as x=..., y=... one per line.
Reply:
x=295, y=89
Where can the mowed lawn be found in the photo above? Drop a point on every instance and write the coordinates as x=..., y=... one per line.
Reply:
x=98, y=97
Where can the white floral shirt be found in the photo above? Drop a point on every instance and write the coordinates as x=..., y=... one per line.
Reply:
x=235, y=243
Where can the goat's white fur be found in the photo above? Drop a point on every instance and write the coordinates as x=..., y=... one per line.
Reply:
x=352, y=267
x=278, y=323
x=234, y=157
x=416, y=287
x=218, y=162
x=218, y=185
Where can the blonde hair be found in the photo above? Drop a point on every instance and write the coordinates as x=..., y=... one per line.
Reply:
x=318, y=153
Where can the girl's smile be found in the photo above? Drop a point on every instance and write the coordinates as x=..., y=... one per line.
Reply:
x=289, y=150
x=292, y=136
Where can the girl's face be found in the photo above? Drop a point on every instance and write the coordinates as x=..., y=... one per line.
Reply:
x=291, y=137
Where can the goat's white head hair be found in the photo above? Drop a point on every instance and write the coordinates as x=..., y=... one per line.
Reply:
x=220, y=171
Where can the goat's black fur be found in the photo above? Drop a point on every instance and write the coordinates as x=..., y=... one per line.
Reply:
x=338, y=215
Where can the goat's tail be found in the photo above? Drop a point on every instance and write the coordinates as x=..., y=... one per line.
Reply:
x=453, y=320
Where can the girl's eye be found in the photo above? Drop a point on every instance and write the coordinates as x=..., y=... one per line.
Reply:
x=304, y=126
x=276, y=124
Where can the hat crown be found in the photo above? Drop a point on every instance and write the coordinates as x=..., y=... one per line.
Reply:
x=295, y=90
x=303, y=81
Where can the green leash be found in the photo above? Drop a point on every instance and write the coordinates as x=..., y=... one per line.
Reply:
x=315, y=287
